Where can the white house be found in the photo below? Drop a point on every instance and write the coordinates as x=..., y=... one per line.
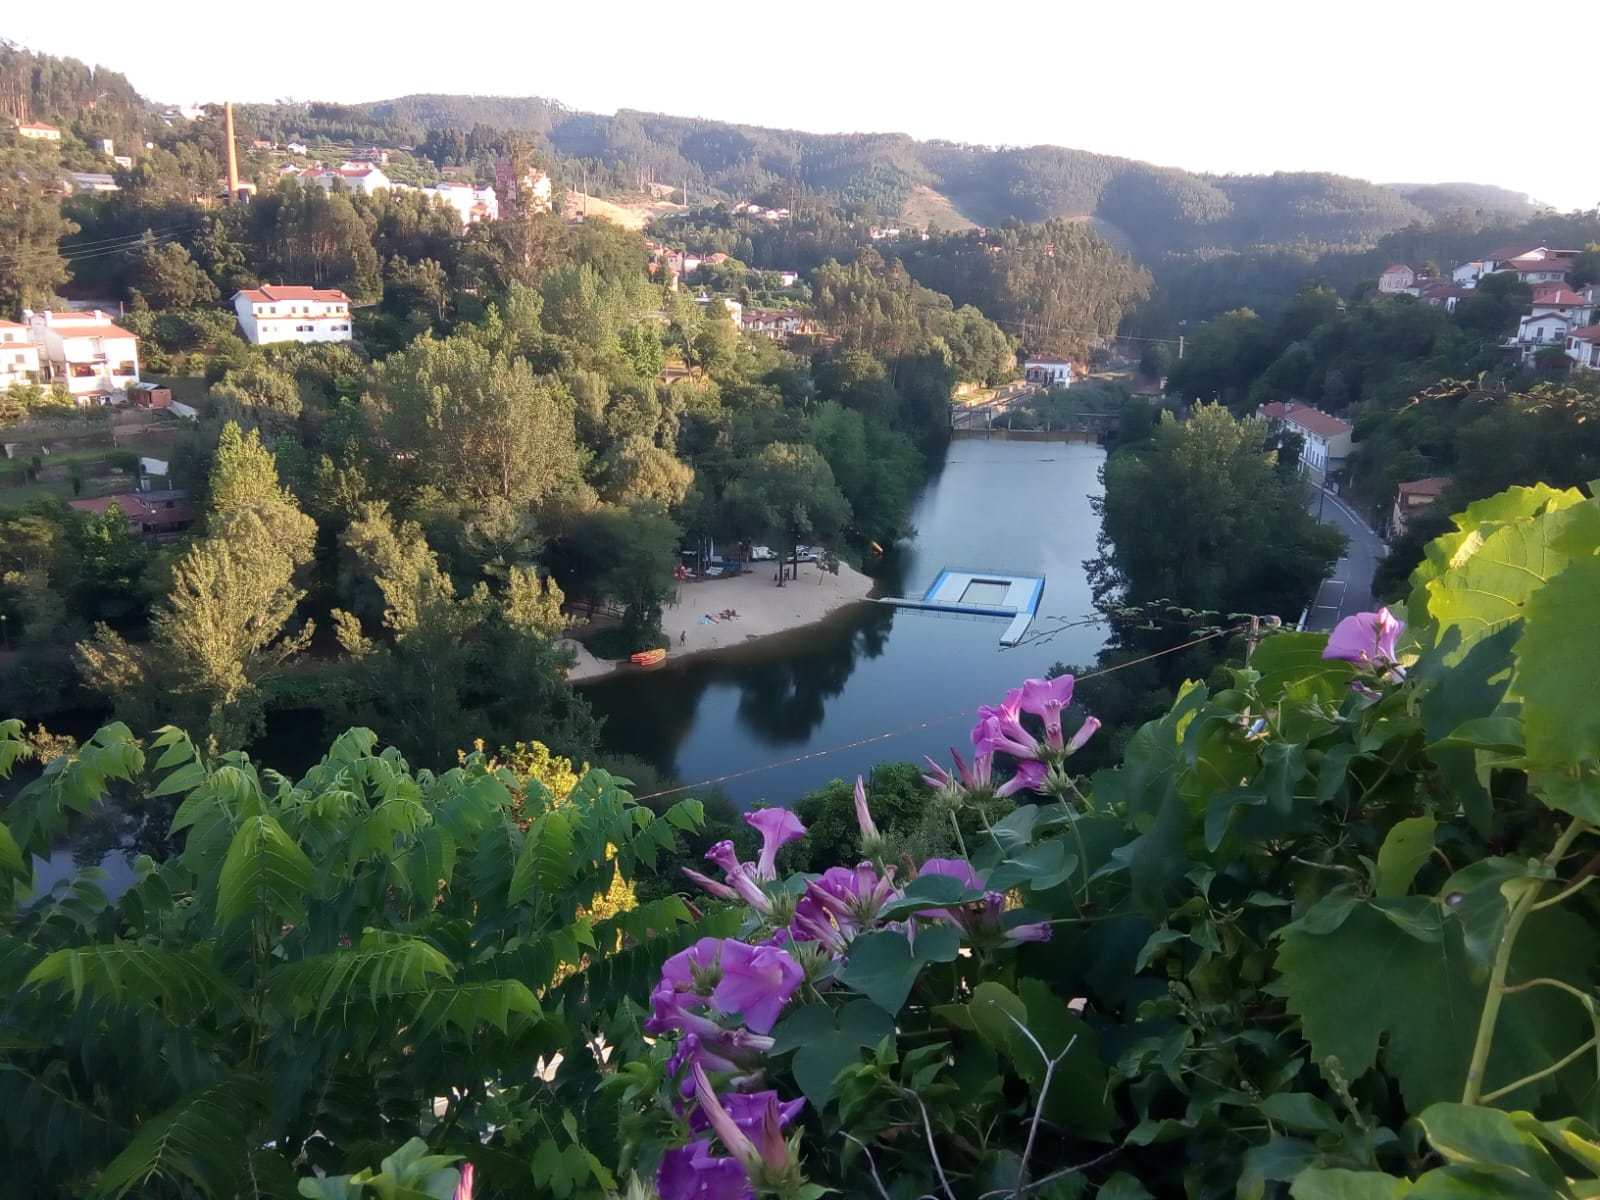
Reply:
x=19, y=357
x=354, y=176
x=781, y=323
x=295, y=148
x=472, y=204
x=87, y=353
x=1534, y=333
x=1048, y=370
x=1534, y=271
x=788, y=278
x=1562, y=301
x=734, y=309
x=1397, y=278
x=1467, y=274
x=38, y=132
x=1326, y=438
x=1583, y=347
x=293, y=314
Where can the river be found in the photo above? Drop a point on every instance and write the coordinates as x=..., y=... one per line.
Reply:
x=773, y=720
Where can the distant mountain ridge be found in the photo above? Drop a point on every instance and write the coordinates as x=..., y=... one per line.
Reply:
x=1155, y=210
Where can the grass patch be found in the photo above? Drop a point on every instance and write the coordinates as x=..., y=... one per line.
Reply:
x=615, y=642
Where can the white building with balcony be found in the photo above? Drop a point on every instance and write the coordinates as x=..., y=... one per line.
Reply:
x=85, y=352
x=473, y=204
x=19, y=357
x=293, y=314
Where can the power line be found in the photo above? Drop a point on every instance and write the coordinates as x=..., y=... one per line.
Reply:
x=920, y=725
x=111, y=246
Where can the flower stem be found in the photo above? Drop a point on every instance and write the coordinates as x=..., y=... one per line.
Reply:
x=1472, y=1093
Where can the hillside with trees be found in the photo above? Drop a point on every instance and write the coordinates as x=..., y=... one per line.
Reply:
x=1159, y=209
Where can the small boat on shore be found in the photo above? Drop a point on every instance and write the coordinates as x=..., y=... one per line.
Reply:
x=648, y=658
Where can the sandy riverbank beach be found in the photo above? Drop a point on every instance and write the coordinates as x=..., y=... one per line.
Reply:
x=764, y=608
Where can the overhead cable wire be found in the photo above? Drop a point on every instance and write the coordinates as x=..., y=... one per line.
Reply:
x=919, y=725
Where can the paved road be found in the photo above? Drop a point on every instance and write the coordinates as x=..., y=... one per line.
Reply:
x=1349, y=589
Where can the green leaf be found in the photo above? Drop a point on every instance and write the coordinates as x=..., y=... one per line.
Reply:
x=1299, y=1112
x=1477, y=1136
x=1558, y=660
x=384, y=965
x=1336, y=1183
x=178, y=980
x=1408, y=845
x=1295, y=659
x=11, y=860
x=265, y=874
x=1498, y=735
x=931, y=891
x=191, y=775
x=200, y=1140
x=1280, y=1160
x=883, y=966
x=1123, y=1186
x=1038, y=867
x=546, y=862
x=1367, y=983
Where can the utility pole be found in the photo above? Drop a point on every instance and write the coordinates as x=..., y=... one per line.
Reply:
x=1180, y=345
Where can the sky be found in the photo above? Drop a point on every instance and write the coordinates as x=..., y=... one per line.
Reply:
x=1388, y=91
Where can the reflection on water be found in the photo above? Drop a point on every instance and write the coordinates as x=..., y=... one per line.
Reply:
x=784, y=715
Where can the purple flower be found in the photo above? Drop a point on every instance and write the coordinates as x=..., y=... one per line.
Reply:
x=766, y=1153
x=777, y=827
x=1085, y=732
x=1030, y=777
x=955, y=868
x=1047, y=698
x=464, y=1184
x=869, y=831
x=692, y=1172
x=741, y=876
x=720, y=890
x=757, y=981
x=994, y=733
x=1367, y=639
x=840, y=903
x=1037, y=931
x=748, y=1110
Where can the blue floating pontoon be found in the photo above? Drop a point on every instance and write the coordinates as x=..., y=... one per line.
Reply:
x=981, y=594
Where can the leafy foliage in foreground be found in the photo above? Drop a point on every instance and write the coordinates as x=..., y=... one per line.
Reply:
x=1327, y=931
x=324, y=966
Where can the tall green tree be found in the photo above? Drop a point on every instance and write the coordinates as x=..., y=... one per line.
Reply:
x=788, y=492
x=31, y=229
x=1201, y=518
x=167, y=277
x=476, y=422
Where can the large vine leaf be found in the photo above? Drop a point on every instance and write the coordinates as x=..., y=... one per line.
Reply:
x=1370, y=991
x=264, y=873
x=1558, y=660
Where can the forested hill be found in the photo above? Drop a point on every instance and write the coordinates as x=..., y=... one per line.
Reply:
x=1153, y=210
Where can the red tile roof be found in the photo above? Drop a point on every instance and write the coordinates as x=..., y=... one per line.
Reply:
x=1555, y=293
x=89, y=329
x=1314, y=420
x=1506, y=253
x=1430, y=486
x=1396, y=267
x=4, y=324
x=37, y=125
x=277, y=294
x=1589, y=333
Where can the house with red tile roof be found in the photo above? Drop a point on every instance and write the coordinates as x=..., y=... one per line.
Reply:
x=37, y=131
x=1047, y=370
x=276, y=313
x=156, y=516
x=1397, y=278
x=1411, y=498
x=1326, y=438
x=352, y=176
x=87, y=353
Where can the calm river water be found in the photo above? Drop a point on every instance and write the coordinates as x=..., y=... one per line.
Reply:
x=777, y=718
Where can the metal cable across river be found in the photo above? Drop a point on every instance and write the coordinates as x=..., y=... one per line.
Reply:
x=785, y=714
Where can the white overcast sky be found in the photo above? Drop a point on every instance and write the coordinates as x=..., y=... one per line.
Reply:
x=1389, y=90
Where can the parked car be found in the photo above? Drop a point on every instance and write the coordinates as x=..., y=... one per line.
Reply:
x=761, y=554
x=807, y=553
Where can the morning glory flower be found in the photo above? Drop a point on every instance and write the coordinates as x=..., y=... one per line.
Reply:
x=756, y=982
x=1367, y=639
x=741, y=875
x=692, y=1172
x=777, y=827
x=869, y=828
x=1047, y=698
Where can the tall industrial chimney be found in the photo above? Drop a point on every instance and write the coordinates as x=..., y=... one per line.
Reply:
x=233, y=155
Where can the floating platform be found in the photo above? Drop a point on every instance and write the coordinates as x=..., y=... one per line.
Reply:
x=981, y=594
